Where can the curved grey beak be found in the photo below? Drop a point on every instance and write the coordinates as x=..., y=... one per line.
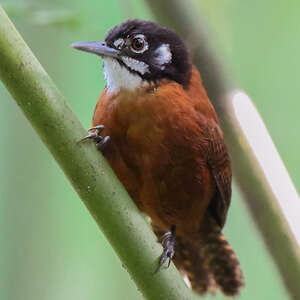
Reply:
x=99, y=48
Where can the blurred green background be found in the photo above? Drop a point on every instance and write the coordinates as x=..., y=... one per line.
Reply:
x=50, y=246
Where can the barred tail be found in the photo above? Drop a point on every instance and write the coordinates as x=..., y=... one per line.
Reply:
x=191, y=264
x=223, y=264
x=190, y=261
x=208, y=262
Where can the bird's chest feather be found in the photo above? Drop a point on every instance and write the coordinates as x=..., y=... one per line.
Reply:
x=137, y=127
x=157, y=149
x=149, y=125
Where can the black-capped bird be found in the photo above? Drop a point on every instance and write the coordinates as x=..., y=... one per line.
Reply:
x=163, y=139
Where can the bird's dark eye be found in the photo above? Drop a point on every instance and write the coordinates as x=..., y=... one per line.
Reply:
x=139, y=44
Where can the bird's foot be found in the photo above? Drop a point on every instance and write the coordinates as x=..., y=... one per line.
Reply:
x=168, y=242
x=101, y=142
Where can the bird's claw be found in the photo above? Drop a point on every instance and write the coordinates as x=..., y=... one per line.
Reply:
x=101, y=142
x=168, y=242
x=98, y=128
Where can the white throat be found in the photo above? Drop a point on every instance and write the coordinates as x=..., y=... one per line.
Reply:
x=118, y=77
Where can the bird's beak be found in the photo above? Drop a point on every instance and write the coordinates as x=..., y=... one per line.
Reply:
x=99, y=48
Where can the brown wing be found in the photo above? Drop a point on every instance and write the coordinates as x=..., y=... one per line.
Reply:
x=219, y=162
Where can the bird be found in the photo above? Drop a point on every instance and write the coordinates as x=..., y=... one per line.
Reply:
x=157, y=128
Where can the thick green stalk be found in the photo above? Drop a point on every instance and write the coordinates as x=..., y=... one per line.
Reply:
x=90, y=175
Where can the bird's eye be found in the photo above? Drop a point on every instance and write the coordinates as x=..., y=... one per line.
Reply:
x=139, y=44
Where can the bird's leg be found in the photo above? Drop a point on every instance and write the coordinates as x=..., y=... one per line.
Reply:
x=168, y=242
x=101, y=142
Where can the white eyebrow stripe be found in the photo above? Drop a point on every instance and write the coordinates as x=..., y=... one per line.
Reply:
x=136, y=65
x=163, y=55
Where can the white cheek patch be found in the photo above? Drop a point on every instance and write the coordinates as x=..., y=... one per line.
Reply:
x=163, y=56
x=135, y=65
x=118, y=77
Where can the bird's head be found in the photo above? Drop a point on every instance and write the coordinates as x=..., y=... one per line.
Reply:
x=137, y=52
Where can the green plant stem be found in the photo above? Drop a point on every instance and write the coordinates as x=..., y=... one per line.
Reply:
x=258, y=194
x=108, y=202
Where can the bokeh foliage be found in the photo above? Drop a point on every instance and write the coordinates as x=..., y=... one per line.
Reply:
x=50, y=246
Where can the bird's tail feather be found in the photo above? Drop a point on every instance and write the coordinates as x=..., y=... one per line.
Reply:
x=223, y=263
x=209, y=263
